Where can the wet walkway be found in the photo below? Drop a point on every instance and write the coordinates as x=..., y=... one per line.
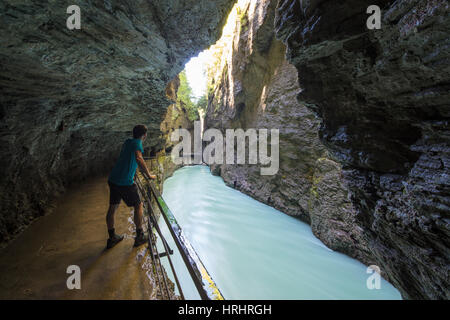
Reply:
x=34, y=265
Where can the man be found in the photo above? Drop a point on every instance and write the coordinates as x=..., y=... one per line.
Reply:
x=122, y=186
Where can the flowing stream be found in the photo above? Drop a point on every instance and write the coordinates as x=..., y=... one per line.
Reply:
x=253, y=251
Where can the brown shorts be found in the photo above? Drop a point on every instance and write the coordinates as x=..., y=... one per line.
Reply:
x=129, y=194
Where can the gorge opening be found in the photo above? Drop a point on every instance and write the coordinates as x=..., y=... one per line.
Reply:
x=362, y=116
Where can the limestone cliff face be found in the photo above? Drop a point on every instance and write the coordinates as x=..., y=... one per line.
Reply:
x=383, y=98
x=69, y=98
x=255, y=87
x=176, y=117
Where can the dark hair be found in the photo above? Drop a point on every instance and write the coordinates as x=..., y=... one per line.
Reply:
x=139, y=131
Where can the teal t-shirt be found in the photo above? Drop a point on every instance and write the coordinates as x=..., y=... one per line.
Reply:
x=123, y=172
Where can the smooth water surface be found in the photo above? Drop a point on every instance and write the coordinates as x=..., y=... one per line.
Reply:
x=253, y=251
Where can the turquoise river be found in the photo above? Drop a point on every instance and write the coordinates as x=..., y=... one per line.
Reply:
x=253, y=251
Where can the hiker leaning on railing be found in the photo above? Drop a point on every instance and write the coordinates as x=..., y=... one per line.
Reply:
x=122, y=186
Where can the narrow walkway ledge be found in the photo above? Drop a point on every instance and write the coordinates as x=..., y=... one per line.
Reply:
x=35, y=265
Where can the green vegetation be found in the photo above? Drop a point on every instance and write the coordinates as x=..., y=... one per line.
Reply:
x=243, y=18
x=185, y=98
x=202, y=103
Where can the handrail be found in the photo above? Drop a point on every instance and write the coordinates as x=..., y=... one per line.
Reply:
x=204, y=283
x=155, y=256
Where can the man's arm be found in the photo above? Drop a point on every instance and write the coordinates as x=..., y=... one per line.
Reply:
x=140, y=160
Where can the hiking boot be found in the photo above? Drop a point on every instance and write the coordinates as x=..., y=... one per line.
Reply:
x=113, y=241
x=140, y=239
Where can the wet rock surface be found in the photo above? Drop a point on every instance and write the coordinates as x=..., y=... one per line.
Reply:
x=383, y=98
x=68, y=98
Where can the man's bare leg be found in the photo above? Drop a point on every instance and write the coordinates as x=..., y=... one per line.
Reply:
x=110, y=215
x=138, y=214
x=113, y=237
x=138, y=217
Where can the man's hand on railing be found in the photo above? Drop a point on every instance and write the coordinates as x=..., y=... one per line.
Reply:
x=140, y=160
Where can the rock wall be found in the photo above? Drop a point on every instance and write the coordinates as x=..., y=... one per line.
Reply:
x=383, y=98
x=379, y=99
x=70, y=97
x=161, y=163
x=254, y=86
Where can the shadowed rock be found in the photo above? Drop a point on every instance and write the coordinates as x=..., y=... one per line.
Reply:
x=69, y=97
x=383, y=98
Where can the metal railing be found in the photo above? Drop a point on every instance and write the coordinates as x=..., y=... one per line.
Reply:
x=203, y=281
